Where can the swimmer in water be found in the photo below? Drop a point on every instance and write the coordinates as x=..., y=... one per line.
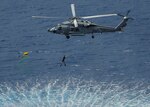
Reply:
x=63, y=61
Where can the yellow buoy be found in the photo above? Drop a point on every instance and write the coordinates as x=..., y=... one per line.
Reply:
x=25, y=53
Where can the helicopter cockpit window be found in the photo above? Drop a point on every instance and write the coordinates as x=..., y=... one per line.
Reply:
x=59, y=28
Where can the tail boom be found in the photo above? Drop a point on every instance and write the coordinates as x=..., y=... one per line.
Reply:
x=122, y=24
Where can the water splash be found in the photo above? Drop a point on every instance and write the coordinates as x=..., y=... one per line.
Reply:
x=73, y=93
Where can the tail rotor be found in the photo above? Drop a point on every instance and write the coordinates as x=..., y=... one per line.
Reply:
x=123, y=23
x=126, y=16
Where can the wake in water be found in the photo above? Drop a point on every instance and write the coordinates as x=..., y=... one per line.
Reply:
x=73, y=93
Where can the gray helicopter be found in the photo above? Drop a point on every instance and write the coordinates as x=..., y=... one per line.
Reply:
x=78, y=26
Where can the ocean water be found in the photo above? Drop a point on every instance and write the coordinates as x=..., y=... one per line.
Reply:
x=112, y=70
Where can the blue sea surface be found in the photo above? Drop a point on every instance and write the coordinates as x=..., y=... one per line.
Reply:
x=111, y=70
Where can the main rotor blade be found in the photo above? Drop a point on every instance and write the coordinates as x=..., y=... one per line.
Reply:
x=46, y=17
x=73, y=10
x=121, y=15
x=96, y=16
x=75, y=23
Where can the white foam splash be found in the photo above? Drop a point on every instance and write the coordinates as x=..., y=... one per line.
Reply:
x=73, y=93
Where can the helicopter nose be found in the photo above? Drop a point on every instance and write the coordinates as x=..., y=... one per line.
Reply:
x=52, y=30
x=49, y=30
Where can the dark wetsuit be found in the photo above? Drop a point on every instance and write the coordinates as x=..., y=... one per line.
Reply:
x=63, y=61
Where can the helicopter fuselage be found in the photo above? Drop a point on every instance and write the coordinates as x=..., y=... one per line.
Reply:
x=67, y=28
x=79, y=26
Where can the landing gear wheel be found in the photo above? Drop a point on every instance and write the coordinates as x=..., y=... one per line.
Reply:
x=67, y=37
x=92, y=37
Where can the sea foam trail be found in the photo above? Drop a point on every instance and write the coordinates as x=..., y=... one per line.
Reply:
x=73, y=93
